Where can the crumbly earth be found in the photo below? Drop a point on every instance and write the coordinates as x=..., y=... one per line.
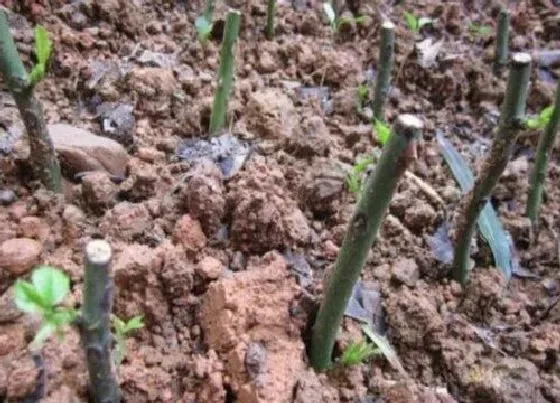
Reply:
x=214, y=261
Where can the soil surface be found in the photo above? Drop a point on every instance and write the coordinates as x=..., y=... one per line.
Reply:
x=223, y=245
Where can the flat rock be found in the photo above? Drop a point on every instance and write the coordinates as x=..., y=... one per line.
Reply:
x=81, y=151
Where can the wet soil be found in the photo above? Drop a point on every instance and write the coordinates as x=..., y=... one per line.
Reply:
x=223, y=246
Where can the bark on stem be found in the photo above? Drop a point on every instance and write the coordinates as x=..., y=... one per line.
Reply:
x=502, y=39
x=386, y=58
x=95, y=322
x=271, y=10
x=360, y=236
x=42, y=156
x=511, y=114
x=227, y=67
x=544, y=148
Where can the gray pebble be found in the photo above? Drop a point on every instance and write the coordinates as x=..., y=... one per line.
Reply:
x=7, y=197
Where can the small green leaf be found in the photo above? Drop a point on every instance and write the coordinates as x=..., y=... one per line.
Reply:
x=411, y=21
x=63, y=317
x=363, y=95
x=203, y=26
x=546, y=113
x=533, y=123
x=118, y=324
x=540, y=121
x=358, y=352
x=37, y=73
x=329, y=11
x=43, y=334
x=383, y=131
x=483, y=30
x=42, y=45
x=134, y=324
x=360, y=19
x=51, y=283
x=26, y=297
x=354, y=178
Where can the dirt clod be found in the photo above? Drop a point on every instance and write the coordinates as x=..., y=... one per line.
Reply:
x=98, y=191
x=19, y=255
x=253, y=319
x=405, y=271
x=188, y=233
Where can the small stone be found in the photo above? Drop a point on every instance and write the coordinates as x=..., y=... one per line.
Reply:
x=209, y=268
x=19, y=255
x=419, y=216
x=7, y=197
x=188, y=233
x=98, y=191
x=405, y=271
x=550, y=285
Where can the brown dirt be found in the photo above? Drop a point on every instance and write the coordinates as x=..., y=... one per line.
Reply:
x=205, y=257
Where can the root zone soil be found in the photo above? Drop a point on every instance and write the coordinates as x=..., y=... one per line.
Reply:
x=224, y=250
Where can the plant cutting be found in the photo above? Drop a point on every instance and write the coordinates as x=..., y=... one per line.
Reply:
x=21, y=86
x=44, y=296
x=225, y=75
x=361, y=234
x=383, y=79
x=502, y=39
x=270, y=11
x=550, y=118
x=511, y=118
x=94, y=323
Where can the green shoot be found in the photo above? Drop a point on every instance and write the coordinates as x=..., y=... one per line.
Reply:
x=362, y=95
x=383, y=131
x=415, y=23
x=48, y=288
x=203, y=27
x=122, y=331
x=42, y=48
x=541, y=120
x=358, y=352
x=354, y=180
x=482, y=30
